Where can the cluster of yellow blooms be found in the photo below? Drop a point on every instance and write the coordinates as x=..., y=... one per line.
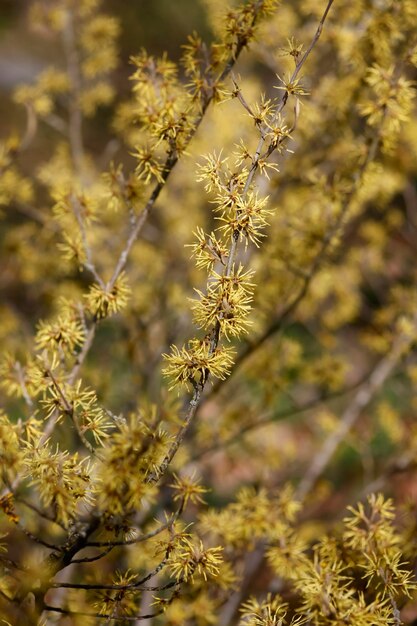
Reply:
x=303, y=281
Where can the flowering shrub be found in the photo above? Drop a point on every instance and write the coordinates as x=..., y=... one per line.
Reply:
x=204, y=365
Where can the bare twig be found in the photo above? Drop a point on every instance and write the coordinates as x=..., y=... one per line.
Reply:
x=88, y=263
x=192, y=408
x=144, y=537
x=69, y=410
x=352, y=413
x=272, y=416
x=31, y=127
x=21, y=379
x=123, y=618
x=39, y=512
x=81, y=356
x=215, y=333
x=35, y=214
x=90, y=559
x=279, y=322
x=134, y=585
x=75, y=115
x=57, y=123
x=36, y=539
x=137, y=222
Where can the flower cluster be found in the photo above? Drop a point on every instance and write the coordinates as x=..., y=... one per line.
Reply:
x=97, y=456
x=192, y=364
x=223, y=309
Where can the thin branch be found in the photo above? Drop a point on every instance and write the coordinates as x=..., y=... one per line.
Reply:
x=315, y=39
x=69, y=410
x=21, y=378
x=141, y=219
x=397, y=466
x=88, y=263
x=81, y=356
x=284, y=99
x=31, y=128
x=57, y=123
x=114, y=587
x=395, y=610
x=35, y=214
x=75, y=115
x=128, y=542
x=352, y=413
x=172, y=157
x=90, y=559
x=57, y=609
x=271, y=416
x=138, y=223
x=215, y=332
x=36, y=539
x=5, y=596
x=37, y=510
x=192, y=408
x=278, y=323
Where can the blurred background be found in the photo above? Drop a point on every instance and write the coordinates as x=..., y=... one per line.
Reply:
x=320, y=349
x=321, y=322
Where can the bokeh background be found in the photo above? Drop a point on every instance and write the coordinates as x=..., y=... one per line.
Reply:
x=320, y=351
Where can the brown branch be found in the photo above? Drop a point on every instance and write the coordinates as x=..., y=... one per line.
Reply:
x=139, y=221
x=134, y=585
x=138, y=224
x=192, y=408
x=352, y=413
x=88, y=263
x=69, y=410
x=81, y=356
x=278, y=323
x=75, y=115
x=57, y=123
x=399, y=465
x=172, y=158
x=215, y=332
x=284, y=99
x=315, y=39
x=128, y=542
x=36, y=539
x=31, y=127
x=39, y=512
x=57, y=609
x=35, y=214
x=273, y=416
x=20, y=376
x=90, y=559
x=5, y=596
